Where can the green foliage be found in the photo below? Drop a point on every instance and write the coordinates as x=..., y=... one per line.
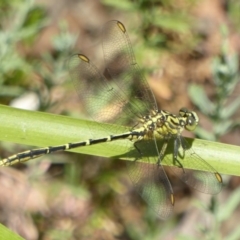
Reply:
x=220, y=109
x=15, y=29
x=233, y=8
x=221, y=212
x=19, y=27
x=161, y=22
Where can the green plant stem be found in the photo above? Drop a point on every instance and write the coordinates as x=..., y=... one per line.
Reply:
x=44, y=129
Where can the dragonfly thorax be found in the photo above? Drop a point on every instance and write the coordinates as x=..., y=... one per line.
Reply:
x=164, y=123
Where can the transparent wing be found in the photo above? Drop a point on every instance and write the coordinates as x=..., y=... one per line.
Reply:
x=151, y=181
x=207, y=181
x=122, y=67
x=100, y=97
x=120, y=96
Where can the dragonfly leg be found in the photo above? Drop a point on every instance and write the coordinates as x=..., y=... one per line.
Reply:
x=176, y=162
x=138, y=150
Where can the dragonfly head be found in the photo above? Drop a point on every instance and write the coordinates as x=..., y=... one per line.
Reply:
x=191, y=118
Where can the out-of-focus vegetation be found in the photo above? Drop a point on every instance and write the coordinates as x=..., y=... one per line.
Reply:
x=181, y=47
x=226, y=102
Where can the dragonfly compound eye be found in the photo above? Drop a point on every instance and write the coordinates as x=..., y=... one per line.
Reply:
x=183, y=112
x=192, y=121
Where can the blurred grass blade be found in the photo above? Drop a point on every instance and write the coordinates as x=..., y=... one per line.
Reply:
x=6, y=233
x=231, y=109
x=200, y=99
x=229, y=206
x=234, y=234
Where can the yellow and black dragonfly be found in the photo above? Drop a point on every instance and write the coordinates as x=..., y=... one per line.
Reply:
x=122, y=96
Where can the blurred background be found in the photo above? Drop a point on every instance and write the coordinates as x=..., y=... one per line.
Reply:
x=189, y=51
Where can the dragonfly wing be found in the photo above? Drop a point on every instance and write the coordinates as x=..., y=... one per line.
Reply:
x=206, y=180
x=102, y=100
x=129, y=95
x=120, y=95
x=151, y=181
x=122, y=67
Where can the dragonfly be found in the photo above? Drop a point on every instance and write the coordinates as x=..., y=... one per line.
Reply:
x=121, y=96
